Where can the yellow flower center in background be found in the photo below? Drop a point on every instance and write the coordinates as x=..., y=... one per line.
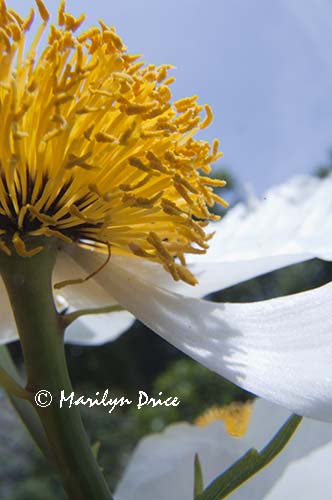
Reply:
x=93, y=152
x=236, y=417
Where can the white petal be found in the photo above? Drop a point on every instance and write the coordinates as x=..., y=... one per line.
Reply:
x=91, y=329
x=162, y=464
x=306, y=478
x=85, y=295
x=8, y=331
x=291, y=224
x=98, y=329
x=280, y=349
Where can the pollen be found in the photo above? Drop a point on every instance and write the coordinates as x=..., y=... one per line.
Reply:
x=93, y=151
x=236, y=417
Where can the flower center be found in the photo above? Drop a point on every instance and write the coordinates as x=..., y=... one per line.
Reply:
x=93, y=152
x=235, y=415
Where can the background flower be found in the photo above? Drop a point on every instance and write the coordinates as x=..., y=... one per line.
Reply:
x=162, y=465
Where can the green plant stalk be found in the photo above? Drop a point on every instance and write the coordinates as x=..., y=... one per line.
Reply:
x=29, y=287
x=250, y=463
x=23, y=407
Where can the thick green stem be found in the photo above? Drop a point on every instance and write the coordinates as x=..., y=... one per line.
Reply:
x=28, y=282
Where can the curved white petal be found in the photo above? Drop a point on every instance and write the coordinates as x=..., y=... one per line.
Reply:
x=90, y=329
x=80, y=296
x=162, y=464
x=291, y=224
x=306, y=478
x=280, y=349
x=8, y=331
x=98, y=329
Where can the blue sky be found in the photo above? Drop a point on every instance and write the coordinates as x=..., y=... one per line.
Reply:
x=264, y=66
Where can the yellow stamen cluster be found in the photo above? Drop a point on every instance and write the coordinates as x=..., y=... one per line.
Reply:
x=92, y=151
x=236, y=417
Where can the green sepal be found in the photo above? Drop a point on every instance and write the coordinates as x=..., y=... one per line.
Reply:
x=250, y=463
x=198, y=477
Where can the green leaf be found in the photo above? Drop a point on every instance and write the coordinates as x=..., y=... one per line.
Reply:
x=198, y=479
x=250, y=463
x=95, y=449
x=23, y=407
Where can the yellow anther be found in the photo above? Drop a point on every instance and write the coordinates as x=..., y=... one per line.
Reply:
x=137, y=250
x=81, y=163
x=170, y=156
x=94, y=189
x=110, y=36
x=90, y=34
x=44, y=14
x=104, y=137
x=88, y=109
x=162, y=73
x=19, y=134
x=17, y=17
x=184, y=118
x=215, y=146
x=186, y=102
x=61, y=11
x=181, y=190
x=88, y=131
x=72, y=23
x=155, y=163
x=42, y=217
x=135, y=67
x=127, y=134
x=62, y=98
x=77, y=213
x=170, y=208
x=220, y=200
x=209, y=117
x=137, y=163
x=15, y=31
x=186, y=276
x=52, y=134
x=185, y=183
x=170, y=80
x=60, y=119
x=79, y=58
x=132, y=187
x=103, y=25
x=101, y=92
x=118, y=75
x=21, y=249
x=156, y=242
x=140, y=201
x=164, y=94
x=5, y=38
x=46, y=231
x=136, y=109
x=191, y=124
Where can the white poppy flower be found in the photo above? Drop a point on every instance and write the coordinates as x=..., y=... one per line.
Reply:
x=162, y=465
x=280, y=349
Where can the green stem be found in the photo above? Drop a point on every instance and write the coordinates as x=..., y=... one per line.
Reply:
x=28, y=283
x=250, y=463
x=68, y=318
